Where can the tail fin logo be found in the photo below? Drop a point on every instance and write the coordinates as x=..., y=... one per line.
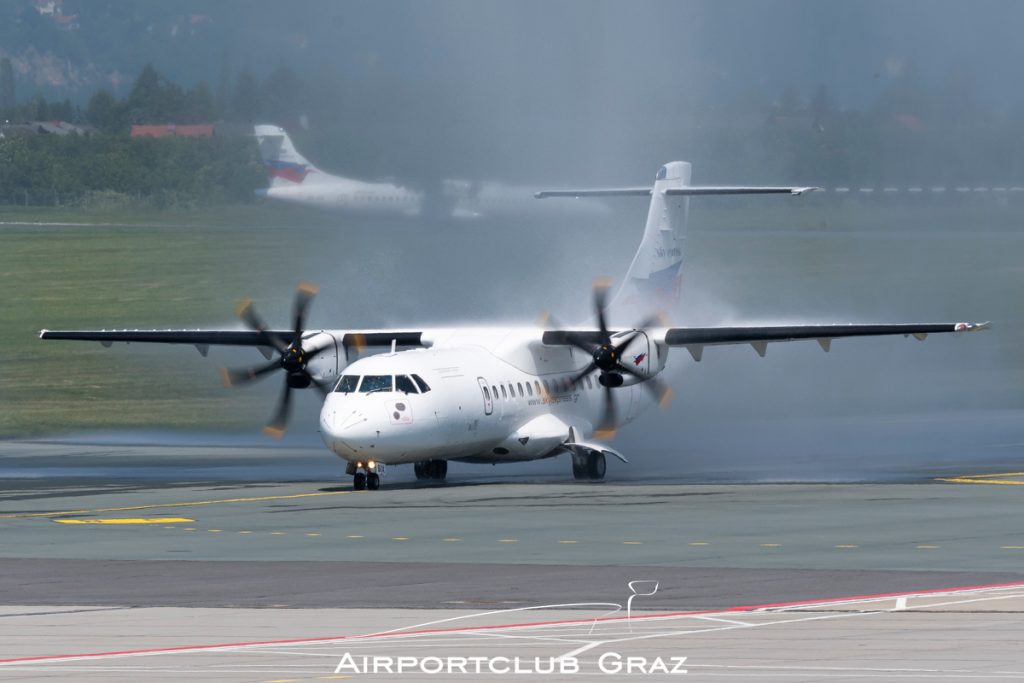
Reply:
x=295, y=173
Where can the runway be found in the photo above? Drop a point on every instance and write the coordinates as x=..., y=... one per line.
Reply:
x=95, y=563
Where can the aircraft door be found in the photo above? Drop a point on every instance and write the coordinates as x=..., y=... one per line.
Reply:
x=485, y=391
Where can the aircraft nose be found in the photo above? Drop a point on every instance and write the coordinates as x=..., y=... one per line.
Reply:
x=349, y=432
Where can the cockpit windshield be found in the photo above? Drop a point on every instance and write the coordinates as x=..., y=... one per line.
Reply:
x=404, y=384
x=373, y=383
x=408, y=384
x=347, y=384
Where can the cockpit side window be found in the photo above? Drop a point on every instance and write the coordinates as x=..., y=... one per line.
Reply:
x=347, y=384
x=375, y=383
x=424, y=387
x=403, y=383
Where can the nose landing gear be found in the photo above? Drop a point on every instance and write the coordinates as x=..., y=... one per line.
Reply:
x=364, y=476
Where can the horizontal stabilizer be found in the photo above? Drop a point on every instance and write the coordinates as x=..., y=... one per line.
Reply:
x=687, y=191
x=605, y=192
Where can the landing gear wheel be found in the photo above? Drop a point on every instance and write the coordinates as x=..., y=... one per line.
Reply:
x=596, y=465
x=359, y=481
x=579, y=470
x=439, y=469
x=372, y=481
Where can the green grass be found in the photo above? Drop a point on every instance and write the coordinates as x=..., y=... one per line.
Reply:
x=193, y=270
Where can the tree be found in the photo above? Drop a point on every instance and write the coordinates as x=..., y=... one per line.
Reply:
x=245, y=103
x=7, y=99
x=105, y=113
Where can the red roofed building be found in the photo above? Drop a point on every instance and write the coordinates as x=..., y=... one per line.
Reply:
x=197, y=130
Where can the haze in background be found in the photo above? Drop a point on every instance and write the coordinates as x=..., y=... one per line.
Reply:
x=912, y=94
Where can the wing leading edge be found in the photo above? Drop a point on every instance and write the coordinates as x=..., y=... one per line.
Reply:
x=353, y=338
x=694, y=339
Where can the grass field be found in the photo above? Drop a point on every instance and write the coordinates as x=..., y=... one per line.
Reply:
x=189, y=269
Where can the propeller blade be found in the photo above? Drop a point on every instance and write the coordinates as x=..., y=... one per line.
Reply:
x=601, y=287
x=583, y=373
x=303, y=297
x=276, y=427
x=234, y=377
x=250, y=317
x=661, y=391
x=323, y=386
x=609, y=421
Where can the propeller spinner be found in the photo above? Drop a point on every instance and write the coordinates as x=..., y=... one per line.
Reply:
x=293, y=357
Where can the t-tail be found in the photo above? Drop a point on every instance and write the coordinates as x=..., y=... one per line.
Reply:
x=284, y=165
x=654, y=280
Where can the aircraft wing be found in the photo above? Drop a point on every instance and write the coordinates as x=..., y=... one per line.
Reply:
x=206, y=338
x=694, y=339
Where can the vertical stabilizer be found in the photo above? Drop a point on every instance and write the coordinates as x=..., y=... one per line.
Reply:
x=282, y=162
x=654, y=279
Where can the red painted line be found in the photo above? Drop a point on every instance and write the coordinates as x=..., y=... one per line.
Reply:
x=533, y=624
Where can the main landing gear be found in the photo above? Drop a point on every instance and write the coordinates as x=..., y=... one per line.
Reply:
x=364, y=476
x=431, y=469
x=588, y=466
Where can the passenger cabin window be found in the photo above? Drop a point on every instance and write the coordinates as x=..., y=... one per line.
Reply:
x=403, y=383
x=375, y=383
x=347, y=384
x=536, y=385
x=519, y=386
x=529, y=389
x=487, y=393
x=503, y=394
x=494, y=390
x=424, y=387
x=547, y=387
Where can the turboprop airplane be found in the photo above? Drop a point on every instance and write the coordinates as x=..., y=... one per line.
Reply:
x=294, y=179
x=502, y=394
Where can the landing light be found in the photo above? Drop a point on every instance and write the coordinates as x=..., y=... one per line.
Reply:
x=371, y=465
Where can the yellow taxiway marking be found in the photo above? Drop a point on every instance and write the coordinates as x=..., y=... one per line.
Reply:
x=508, y=540
x=354, y=536
x=452, y=540
x=698, y=543
x=214, y=531
x=999, y=478
x=927, y=547
x=400, y=538
x=278, y=533
x=845, y=546
x=189, y=528
x=128, y=520
x=632, y=542
x=157, y=506
x=313, y=534
x=245, y=532
x=1011, y=547
x=771, y=545
x=568, y=542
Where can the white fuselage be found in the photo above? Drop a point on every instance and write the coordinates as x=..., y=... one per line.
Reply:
x=491, y=396
x=350, y=195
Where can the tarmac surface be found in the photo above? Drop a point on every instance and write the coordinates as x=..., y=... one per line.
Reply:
x=112, y=563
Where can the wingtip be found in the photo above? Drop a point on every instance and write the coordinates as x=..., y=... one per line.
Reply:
x=42, y=333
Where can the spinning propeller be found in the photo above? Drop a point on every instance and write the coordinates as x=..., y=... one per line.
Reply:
x=607, y=360
x=293, y=357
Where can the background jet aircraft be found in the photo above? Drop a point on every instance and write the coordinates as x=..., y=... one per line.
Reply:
x=293, y=178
